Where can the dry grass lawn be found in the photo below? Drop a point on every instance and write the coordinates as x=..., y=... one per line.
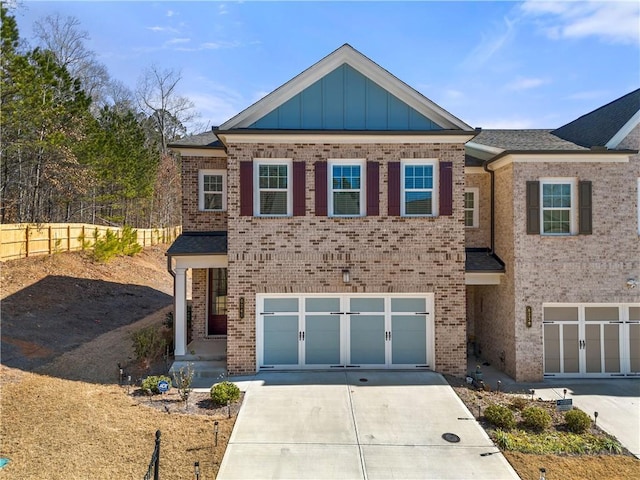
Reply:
x=60, y=429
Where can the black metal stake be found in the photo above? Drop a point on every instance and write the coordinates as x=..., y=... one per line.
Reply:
x=479, y=406
x=215, y=431
x=595, y=422
x=543, y=474
x=499, y=385
x=565, y=393
x=196, y=470
x=229, y=407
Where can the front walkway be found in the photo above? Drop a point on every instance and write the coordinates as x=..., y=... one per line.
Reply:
x=357, y=425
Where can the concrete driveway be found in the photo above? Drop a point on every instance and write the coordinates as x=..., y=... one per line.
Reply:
x=357, y=425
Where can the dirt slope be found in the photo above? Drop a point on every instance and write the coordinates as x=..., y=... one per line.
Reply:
x=59, y=311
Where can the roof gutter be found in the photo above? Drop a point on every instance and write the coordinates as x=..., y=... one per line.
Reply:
x=485, y=166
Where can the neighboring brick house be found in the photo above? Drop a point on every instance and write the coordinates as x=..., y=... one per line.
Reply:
x=346, y=221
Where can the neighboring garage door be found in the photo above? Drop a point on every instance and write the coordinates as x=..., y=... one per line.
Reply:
x=345, y=331
x=591, y=340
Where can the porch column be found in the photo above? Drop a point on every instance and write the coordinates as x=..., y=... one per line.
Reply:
x=180, y=298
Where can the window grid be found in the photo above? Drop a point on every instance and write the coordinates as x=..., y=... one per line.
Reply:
x=346, y=186
x=418, y=189
x=469, y=208
x=556, y=208
x=212, y=191
x=273, y=189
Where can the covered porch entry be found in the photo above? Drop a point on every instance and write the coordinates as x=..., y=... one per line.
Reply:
x=200, y=325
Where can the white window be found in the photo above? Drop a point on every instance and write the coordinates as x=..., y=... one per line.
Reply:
x=273, y=196
x=471, y=210
x=638, y=205
x=346, y=188
x=419, y=188
x=559, y=201
x=212, y=190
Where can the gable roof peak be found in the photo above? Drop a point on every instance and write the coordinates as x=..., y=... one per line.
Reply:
x=346, y=54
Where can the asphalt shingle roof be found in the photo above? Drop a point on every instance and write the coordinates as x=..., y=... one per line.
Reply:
x=199, y=243
x=204, y=139
x=596, y=128
x=480, y=260
x=523, y=140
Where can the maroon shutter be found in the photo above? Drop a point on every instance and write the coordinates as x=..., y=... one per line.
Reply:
x=246, y=188
x=299, y=190
x=533, y=208
x=584, y=206
x=394, y=189
x=373, y=189
x=446, y=188
x=321, y=189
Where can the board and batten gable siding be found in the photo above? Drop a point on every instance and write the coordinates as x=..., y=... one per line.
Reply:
x=345, y=99
x=306, y=254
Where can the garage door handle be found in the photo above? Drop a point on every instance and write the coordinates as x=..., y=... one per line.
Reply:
x=301, y=336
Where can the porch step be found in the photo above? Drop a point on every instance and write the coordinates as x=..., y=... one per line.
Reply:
x=205, y=373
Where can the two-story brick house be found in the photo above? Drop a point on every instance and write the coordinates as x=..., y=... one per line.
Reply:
x=346, y=221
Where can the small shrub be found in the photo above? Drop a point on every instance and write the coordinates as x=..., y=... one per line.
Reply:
x=183, y=379
x=536, y=418
x=148, y=343
x=500, y=416
x=150, y=384
x=519, y=403
x=112, y=245
x=224, y=392
x=577, y=421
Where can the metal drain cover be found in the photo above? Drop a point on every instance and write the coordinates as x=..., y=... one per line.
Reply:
x=451, y=437
x=364, y=380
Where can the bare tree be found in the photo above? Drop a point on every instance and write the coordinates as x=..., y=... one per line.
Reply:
x=64, y=38
x=167, y=111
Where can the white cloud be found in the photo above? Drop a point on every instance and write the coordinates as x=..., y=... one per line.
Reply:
x=523, y=83
x=170, y=13
x=491, y=43
x=613, y=21
x=158, y=28
x=222, y=9
x=453, y=94
x=589, y=95
x=175, y=41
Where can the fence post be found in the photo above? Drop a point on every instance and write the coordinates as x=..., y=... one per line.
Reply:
x=156, y=468
x=49, y=234
x=26, y=242
x=68, y=238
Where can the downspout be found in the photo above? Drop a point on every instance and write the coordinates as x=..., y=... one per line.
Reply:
x=485, y=166
x=169, y=268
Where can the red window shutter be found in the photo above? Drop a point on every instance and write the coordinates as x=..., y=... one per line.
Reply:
x=533, y=208
x=373, y=188
x=584, y=206
x=246, y=188
x=446, y=188
x=321, y=188
x=299, y=189
x=394, y=189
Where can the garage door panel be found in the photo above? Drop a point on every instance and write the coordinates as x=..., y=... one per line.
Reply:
x=612, y=348
x=367, y=339
x=322, y=339
x=281, y=340
x=571, y=349
x=409, y=334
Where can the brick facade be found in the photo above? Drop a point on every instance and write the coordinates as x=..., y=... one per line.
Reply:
x=193, y=219
x=384, y=254
x=480, y=237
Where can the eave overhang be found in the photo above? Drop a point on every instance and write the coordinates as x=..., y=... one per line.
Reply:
x=344, y=136
x=559, y=156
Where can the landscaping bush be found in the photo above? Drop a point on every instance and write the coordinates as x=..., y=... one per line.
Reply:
x=112, y=245
x=577, y=421
x=150, y=384
x=519, y=403
x=500, y=416
x=149, y=342
x=224, y=392
x=536, y=418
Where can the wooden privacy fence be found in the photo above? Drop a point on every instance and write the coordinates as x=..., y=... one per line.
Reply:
x=20, y=240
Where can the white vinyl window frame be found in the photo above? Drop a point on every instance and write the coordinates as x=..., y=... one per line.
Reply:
x=361, y=190
x=263, y=162
x=474, y=209
x=434, y=189
x=202, y=192
x=572, y=209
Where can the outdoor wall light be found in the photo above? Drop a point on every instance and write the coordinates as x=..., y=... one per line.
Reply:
x=241, y=308
x=346, y=275
x=632, y=283
x=529, y=316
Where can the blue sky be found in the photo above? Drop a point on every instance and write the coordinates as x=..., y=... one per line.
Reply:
x=492, y=64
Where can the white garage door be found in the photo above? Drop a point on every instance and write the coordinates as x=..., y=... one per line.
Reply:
x=591, y=340
x=345, y=331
